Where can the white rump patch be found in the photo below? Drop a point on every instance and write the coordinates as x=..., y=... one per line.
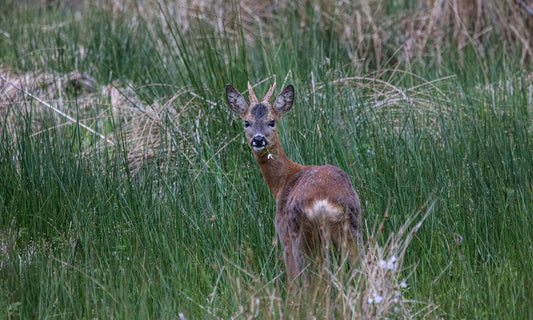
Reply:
x=323, y=209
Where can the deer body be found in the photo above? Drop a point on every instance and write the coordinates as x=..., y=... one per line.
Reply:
x=315, y=205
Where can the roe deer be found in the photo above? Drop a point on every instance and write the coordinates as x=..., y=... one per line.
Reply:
x=314, y=204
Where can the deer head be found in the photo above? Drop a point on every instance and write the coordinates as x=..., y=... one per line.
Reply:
x=260, y=119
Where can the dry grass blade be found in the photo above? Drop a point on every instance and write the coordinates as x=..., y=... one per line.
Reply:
x=59, y=112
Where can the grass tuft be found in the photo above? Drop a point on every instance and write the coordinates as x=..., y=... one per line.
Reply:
x=374, y=289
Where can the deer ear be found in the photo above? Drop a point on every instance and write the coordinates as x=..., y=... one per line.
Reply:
x=236, y=101
x=284, y=100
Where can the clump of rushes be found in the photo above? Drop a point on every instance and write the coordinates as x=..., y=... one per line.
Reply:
x=376, y=288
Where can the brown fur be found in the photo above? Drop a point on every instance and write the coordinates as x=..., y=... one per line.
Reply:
x=315, y=205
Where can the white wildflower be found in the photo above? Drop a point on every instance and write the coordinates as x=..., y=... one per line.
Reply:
x=388, y=265
x=378, y=298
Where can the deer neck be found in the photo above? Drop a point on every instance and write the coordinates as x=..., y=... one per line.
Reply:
x=276, y=167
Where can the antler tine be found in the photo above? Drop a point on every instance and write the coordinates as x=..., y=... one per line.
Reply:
x=269, y=93
x=253, y=98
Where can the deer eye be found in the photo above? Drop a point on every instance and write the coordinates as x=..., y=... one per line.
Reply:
x=247, y=124
x=272, y=123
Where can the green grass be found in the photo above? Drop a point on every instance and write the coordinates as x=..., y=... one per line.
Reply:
x=85, y=234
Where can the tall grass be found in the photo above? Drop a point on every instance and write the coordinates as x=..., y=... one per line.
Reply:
x=173, y=219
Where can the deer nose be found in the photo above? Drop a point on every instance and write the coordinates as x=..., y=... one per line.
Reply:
x=258, y=142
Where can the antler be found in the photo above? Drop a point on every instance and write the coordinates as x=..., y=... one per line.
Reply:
x=253, y=98
x=269, y=93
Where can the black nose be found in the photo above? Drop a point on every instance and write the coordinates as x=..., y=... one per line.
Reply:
x=258, y=141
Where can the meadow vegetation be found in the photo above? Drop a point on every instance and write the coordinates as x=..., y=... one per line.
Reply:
x=127, y=189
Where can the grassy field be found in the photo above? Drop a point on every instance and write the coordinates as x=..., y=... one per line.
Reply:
x=127, y=189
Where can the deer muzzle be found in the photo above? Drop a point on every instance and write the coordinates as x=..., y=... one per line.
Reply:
x=258, y=143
